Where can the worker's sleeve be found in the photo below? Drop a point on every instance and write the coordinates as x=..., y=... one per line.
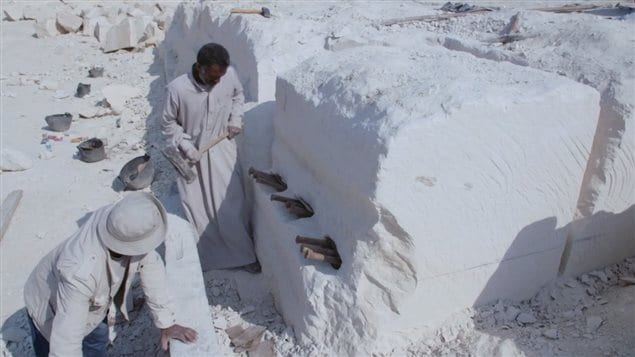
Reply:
x=155, y=287
x=238, y=103
x=170, y=127
x=71, y=316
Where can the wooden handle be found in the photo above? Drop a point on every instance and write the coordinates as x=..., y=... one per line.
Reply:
x=245, y=11
x=213, y=143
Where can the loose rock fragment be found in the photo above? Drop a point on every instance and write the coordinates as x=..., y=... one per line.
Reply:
x=69, y=23
x=14, y=160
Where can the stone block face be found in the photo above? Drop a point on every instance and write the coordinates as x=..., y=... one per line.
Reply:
x=46, y=28
x=425, y=173
x=69, y=23
x=126, y=34
x=183, y=269
x=102, y=27
x=90, y=23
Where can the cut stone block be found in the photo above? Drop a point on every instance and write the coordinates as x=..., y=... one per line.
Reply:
x=46, y=28
x=442, y=178
x=69, y=23
x=90, y=24
x=124, y=35
x=102, y=27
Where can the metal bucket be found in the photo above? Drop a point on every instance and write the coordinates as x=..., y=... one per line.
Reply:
x=91, y=150
x=137, y=173
x=82, y=90
x=59, y=122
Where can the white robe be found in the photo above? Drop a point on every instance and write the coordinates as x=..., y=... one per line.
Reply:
x=214, y=202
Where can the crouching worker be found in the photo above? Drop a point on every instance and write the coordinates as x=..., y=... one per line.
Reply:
x=73, y=293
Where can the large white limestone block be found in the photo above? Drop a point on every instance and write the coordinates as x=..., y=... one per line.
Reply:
x=126, y=34
x=445, y=181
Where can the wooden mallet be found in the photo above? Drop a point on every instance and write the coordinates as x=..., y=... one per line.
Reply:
x=263, y=11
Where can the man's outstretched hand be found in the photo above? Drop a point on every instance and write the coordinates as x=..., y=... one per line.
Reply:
x=181, y=333
x=232, y=131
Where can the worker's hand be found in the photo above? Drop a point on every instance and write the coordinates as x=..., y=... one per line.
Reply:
x=181, y=333
x=232, y=131
x=191, y=153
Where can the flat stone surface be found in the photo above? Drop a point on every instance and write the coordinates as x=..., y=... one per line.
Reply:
x=69, y=23
x=184, y=271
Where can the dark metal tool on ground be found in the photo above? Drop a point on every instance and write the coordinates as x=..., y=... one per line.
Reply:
x=137, y=173
x=296, y=206
x=321, y=250
x=273, y=180
x=181, y=164
x=263, y=11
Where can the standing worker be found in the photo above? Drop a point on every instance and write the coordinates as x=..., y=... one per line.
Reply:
x=200, y=107
x=72, y=294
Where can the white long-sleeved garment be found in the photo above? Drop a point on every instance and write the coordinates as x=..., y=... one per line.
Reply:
x=214, y=202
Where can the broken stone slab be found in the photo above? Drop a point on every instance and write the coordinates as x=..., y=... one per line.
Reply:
x=126, y=34
x=116, y=96
x=14, y=160
x=68, y=22
x=46, y=28
x=13, y=13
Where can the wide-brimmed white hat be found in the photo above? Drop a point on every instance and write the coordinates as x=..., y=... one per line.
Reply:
x=135, y=225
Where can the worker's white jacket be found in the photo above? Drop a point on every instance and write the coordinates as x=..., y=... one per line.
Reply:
x=70, y=291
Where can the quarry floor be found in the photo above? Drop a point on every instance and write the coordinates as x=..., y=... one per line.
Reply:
x=591, y=315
